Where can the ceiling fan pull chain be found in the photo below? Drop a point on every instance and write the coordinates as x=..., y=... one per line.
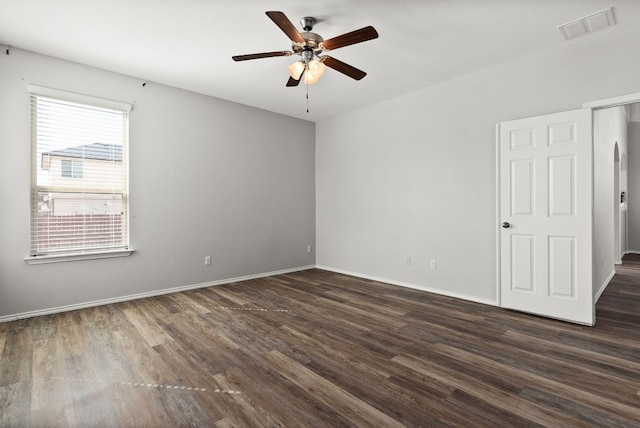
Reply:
x=307, y=97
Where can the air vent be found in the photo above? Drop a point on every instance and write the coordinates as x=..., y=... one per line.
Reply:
x=589, y=24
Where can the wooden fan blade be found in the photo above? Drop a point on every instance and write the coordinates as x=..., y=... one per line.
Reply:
x=261, y=55
x=281, y=20
x=293, y=82
x=343, y=68
x=357, y=36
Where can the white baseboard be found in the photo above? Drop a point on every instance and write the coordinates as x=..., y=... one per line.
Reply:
x=413, y=286
x=633, y=252
x=94, y=303
x=604, y=286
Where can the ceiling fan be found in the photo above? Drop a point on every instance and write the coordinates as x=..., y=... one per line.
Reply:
x=309, y=46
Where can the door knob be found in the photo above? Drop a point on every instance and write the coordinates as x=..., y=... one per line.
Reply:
x=506, y=225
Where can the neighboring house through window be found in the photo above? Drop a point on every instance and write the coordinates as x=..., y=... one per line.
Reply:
x=79, y=169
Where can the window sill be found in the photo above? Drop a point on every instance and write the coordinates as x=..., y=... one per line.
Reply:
x=72, y=257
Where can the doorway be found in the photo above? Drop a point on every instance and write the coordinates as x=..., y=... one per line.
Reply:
x=614, y=139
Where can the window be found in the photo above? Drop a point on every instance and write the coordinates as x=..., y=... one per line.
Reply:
x=71, y=168
x=79, y=170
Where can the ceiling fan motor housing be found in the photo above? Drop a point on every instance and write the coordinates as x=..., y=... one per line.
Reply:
x=312, y=41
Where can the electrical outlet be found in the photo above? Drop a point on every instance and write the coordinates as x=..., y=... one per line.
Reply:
x=434, y=264
x=207, y=260
x=309, y=248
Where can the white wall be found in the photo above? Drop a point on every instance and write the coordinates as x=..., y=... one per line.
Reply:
x=415, y=175
x=208, y=177
x=609, y=129
x=634, y=186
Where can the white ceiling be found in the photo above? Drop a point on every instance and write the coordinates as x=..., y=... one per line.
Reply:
x=189, y=43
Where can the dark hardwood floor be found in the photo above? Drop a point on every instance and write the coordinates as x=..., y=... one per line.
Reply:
x=319, y=349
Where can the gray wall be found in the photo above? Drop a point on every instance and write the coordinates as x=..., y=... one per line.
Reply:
x=415, y=175
x=412, y=176
x=208, y=177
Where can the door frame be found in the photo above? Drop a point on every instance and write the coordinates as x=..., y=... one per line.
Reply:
x=593, y=105
x=617, y=227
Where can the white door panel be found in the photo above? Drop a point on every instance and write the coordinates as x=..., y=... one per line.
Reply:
x=546, y=199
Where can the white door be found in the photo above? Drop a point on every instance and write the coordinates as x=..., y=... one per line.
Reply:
x=545, y=182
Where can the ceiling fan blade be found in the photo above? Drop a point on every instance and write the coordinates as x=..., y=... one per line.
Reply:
x=343, y=68
x=261, y=55
x=357, y=36
x=281, y=20
x=293, y=82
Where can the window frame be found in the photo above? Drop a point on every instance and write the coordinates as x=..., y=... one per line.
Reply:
x=87, y=253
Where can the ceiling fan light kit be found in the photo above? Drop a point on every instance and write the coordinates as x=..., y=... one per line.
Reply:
x=312, y=68
x=310, y=47
x=315, y=70
x=296, y=69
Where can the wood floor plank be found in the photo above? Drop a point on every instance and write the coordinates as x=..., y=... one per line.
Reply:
x=47, y=365
x=150, y=330
x=213, y=349
x=15, y=366
x=392, y=396
x=535, y=361
x=228, y=296
x=374, y=368
x=128, y=345
x=52, y=416
x=71, y=333
x=485, y=414
x=277, y=395
x=584, y=414
x=173, y=408
x=3, y=337
x=355, y=410
x=89, y=393
x=15, y=402
x=252, y=415
x=612, y=364
x=189, y=301
x=501, y=396
x=555, y=387
x=136, y=408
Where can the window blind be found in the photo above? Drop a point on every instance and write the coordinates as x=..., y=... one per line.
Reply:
x=79, y=192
